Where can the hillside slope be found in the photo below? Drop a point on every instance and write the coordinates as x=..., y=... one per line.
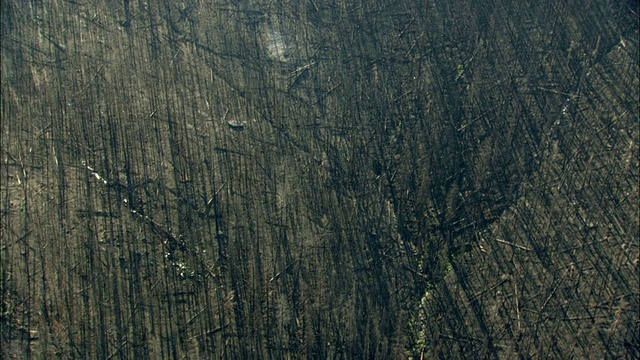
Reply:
x=319, y=180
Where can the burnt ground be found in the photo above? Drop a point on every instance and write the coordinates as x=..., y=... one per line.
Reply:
x=320, y=180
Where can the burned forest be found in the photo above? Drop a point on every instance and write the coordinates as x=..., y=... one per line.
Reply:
x=322, y=179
